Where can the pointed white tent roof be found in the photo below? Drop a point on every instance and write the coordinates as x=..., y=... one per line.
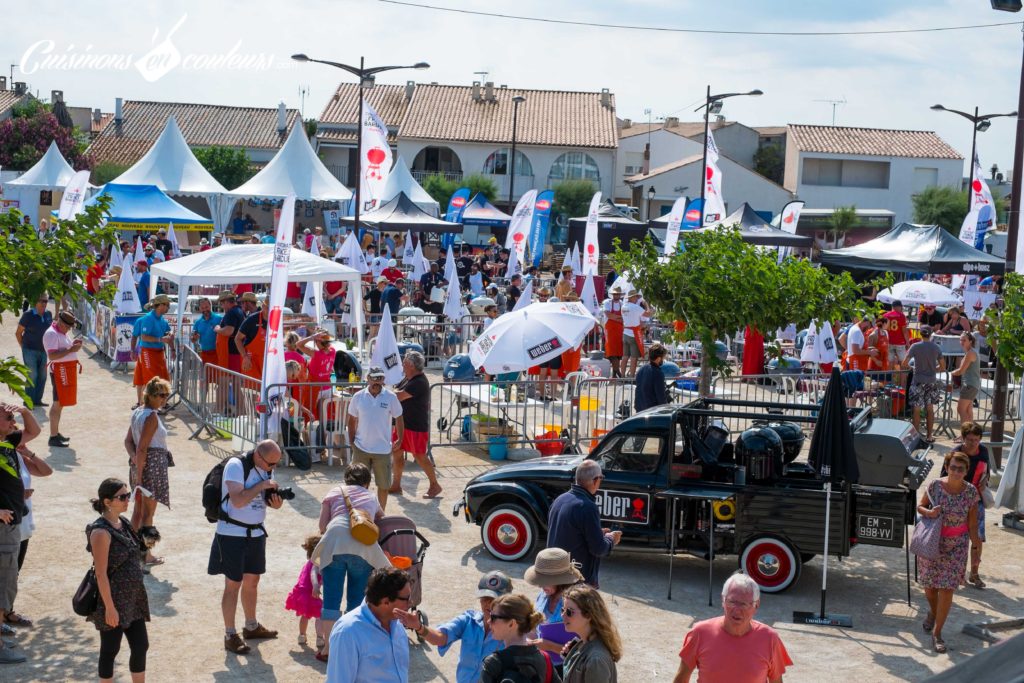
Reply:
x=401, y=180
x=170, y=165
x=295, y=169
x=51, y=172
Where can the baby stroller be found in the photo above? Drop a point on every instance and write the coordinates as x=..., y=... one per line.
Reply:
x=400, y=539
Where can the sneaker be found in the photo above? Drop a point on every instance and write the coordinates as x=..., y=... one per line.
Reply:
x=319, y=643
x=259, y=632
x=9, y=656
x=234, y=643
x=57, y=442
x=302, y=640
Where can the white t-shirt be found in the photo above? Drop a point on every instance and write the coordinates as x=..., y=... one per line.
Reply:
x=253, y=513
x=55, y=340
x=377, y=266
x=632, y=315
x=374, y=415
x=612, y=306
x=855, y=336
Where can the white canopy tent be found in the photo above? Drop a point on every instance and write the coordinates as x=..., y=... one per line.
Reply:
x=171, y=165
x=295, y=169
x=246, y=264
x=400, y=180
x=52, y=173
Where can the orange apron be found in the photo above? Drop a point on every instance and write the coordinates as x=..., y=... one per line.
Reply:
x=613, y=336
x=64, y=375
x=638, y=334
x=882, y=362
x=858, y=361
x=222, y=349
x=570, y=361
x=256, y=347
x=151, y=363
x=210, y=357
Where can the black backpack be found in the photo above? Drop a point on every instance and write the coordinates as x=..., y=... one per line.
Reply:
x=518, y=669
x=212, y=486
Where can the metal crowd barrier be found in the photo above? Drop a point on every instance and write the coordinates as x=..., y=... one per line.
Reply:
x=226, y=401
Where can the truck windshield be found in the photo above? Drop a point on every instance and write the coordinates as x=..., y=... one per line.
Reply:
x=640, y=454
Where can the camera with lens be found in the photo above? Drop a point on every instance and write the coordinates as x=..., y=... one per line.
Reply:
x=285, y=492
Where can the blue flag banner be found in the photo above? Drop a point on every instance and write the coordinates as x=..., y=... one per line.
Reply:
x=691, y=219
x=541, y=224
x=986, y=222
x=454, y=214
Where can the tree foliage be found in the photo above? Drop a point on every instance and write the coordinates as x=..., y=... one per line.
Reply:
x=572, y=197
x=721, y=284
x=54, y=264
x=104, y=172
x=770, y=162
x=1007, y=328
x=842, y=220
x=480, y=184
x=230, y=166
x=945, y=206
x=442, y=189
x=25, y=137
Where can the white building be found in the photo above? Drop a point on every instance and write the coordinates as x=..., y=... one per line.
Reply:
x=458, y=131
x=870, y=168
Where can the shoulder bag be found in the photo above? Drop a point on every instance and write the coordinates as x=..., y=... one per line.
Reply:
x=86, y=598
x=361, y=526
x=924, y=542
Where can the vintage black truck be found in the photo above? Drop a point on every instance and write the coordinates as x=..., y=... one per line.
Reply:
x=676, y=481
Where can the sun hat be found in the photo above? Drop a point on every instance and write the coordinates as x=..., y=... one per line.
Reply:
x=203, y=242
x=552, y=567
x=68, y=318
x=493, y=585
x=250, y=296
x=225, y=295
x=616, y=290
x=375, y=373
x=160, y=299
x=392, y=263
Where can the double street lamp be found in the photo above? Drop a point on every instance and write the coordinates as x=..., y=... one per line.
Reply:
x=979, y=124
x=365, y=75
x=713, y=105
x=511, y=166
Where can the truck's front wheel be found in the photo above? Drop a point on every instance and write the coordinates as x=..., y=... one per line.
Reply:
x=771, y=563
x=509, y=532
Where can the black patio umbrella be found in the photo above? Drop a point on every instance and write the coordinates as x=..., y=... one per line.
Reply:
x=832, y=456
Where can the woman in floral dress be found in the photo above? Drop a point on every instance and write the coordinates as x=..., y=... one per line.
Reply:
x=956, y=501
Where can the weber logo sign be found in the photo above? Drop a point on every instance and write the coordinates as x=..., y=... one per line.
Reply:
x=623, y=507
x=548, y=346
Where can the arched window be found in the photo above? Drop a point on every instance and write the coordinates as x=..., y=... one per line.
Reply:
x=574, y=166
x=497, y=163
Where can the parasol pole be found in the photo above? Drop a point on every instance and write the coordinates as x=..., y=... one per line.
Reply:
x=824, y=555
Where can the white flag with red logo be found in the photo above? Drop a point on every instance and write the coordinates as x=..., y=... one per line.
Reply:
x=519, y=226
x=74, y=196
x=675, y=219
x=980, y=194
x=591, y=254
x=714, y=205
x=376, y=162
x=273, y=386
x=788, y=220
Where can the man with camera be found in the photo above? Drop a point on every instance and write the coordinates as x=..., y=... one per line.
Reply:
x=240, y=544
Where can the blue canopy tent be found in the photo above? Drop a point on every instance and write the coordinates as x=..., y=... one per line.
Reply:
x=146, y=207
x=481, y=213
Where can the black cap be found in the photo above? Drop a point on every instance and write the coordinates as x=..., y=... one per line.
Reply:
x=897, y=302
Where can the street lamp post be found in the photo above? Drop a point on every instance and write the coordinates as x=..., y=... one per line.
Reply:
x=365, y=75
x=650, y=197
x=713, y=102
x=516, y=101
x=979, y=124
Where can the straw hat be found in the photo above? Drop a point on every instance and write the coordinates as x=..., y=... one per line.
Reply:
x=616, y=290
x=226, y=295
x=553, y=567
x=251, y=297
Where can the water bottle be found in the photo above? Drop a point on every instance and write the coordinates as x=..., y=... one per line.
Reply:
x=514, y=394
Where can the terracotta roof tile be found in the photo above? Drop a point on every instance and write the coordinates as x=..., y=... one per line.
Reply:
x=203, y=125
x=771, y=130
x=547, y=117
x=98, y=126
x=387, y=100
x=8, y=99
x=345, y=135
x=686, y=129
x=870, y=142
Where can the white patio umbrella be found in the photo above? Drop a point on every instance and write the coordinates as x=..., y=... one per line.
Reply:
x=917, y=292
x=530, y=336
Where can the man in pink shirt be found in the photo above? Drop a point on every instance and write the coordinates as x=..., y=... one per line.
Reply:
x=734, y=648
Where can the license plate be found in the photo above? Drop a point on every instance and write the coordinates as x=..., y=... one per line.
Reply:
x=876, y=528
x=623, y=507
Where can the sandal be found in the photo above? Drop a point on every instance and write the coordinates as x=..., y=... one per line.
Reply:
x=939, y=644
x=928, y=624
x=321, y=657
x=15, y=619
x=973, y=579
x=153, y=562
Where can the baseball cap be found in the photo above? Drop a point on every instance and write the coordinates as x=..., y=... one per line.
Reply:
x=926, y=330
x=896, y=303
x=142, y=262
x=493, y=584
x=375, y=373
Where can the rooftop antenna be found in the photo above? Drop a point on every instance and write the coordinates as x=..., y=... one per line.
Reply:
x=834, y=104
x=303, y=91
x=482, y=75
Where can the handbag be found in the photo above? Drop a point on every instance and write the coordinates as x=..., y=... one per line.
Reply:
x=361, y=526
x=925, y=540
x=988, y=498
x=86, y=598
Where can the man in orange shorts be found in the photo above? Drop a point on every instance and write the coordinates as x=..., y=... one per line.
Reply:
x=62, y=352
x=154, y=332
x=204, y=334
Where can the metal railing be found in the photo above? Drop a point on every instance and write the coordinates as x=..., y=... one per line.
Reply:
x=451, y=176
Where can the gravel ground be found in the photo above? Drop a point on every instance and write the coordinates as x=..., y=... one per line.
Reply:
x=886, y=643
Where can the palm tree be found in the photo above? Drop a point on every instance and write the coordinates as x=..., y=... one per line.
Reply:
x=842, y=220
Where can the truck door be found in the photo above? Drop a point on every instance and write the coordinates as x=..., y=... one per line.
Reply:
x=632, y=466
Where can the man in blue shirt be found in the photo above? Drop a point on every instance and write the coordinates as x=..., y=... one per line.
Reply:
x=154, y=332
x=203, y=332
x=238, y=224
x=392, y=296
x=650, y=380
x=472, y=627
x=368, y=644
x=29, y=334
x=142, y=284
x=574, y=523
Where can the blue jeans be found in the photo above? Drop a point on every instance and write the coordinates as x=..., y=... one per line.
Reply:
x=334, y=306
x=358, y=571
x=36, y=363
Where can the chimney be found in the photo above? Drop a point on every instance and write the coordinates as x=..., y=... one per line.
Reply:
x=489, y=91
x=97, y=115
x=606, y=98
x=671, y=121
x=476, y=91
x=20, y=88
x=3, y=83
x=282, y=118
x=56, y=96
x=503, y=87
x=627, y=123
x=118, y=110
x=410, y=88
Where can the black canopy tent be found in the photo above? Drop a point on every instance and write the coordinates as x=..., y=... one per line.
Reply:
x=910, y=248
x=756, y=230
x=611, y=223
x=401, y=213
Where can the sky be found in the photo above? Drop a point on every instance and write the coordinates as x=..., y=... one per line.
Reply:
x=237, y=53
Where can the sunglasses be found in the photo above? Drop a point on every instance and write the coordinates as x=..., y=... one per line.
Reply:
x=123, y=497
x=499, y=617
x=956, y=468
x=571, y=612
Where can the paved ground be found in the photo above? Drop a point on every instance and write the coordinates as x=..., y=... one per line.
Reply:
x=886, y=644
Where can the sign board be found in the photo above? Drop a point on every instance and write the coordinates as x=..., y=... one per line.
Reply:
x=878, y=530
x=623, y=507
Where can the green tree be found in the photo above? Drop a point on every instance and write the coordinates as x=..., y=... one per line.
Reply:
x=572, y=197
x=721, y=284
x=947, y=206
x=55, y=265
x=842, y=220
x=230, y=166
x=769, y=162
x=440, y=188
x=1006, y=334
x=25, y=137
x=311, y=126
x=479, y=184
x=106, y=171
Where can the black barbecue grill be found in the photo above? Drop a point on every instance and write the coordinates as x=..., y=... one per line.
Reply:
x=887, y=454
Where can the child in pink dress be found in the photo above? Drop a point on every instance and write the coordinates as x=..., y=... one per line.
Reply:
x=304, y=599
